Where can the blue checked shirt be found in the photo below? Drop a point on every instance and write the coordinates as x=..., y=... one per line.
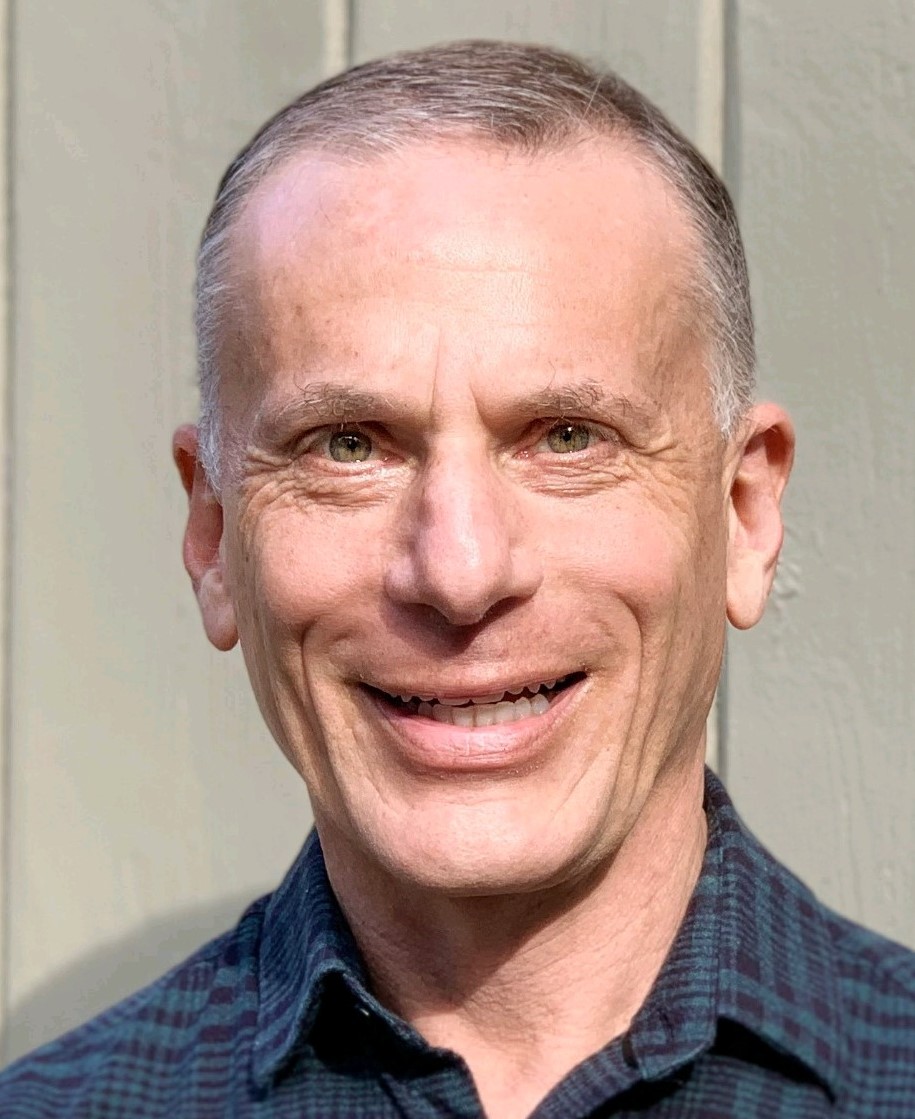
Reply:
x=769, y=1006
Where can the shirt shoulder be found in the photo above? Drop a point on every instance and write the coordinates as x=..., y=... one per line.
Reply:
x=834, y=997
x=194, y=1020
x=875, y=986
x=874, y=974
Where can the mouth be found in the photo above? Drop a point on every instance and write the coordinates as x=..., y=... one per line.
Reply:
x=511, y=705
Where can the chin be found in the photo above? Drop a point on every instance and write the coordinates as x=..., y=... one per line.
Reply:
x=484, y=849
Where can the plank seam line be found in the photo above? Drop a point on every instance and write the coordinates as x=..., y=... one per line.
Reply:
x=338, y=35
x=710, y=81
x=7, y=60
x=728, y=169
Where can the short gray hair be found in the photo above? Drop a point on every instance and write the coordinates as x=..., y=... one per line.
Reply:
x=520, y=97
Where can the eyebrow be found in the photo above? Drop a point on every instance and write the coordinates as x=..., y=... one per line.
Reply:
x=322, y=402
x=581, y=398
x=326, y=402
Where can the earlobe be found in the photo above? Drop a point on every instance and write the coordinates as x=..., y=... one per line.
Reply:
x=755, y=529
x=202, y=550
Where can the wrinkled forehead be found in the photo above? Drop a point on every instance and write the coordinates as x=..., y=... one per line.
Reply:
x=580, y=249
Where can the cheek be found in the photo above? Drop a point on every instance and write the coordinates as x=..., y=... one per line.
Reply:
x=301, y=566
x=626, y=552
x=301, y=581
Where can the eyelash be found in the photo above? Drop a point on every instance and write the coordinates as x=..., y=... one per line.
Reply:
x=318, y=440
x=317, y=436
x=596, y=431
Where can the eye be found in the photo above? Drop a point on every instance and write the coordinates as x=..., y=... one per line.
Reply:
x=349, y=446
x=565, y=438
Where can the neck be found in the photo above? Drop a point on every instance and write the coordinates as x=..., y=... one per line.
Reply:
x=508, y=982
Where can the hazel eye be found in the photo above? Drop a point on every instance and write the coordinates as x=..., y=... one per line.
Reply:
x=566, y=438
x=349, y=446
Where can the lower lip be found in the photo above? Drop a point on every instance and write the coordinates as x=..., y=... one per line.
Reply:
x=443, y=747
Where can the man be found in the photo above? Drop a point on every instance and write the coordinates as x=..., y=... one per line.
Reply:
x=478, y=480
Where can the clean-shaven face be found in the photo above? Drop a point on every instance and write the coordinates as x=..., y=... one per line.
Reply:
x=475, y=539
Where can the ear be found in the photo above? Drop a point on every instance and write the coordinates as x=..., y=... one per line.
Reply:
x=755, y=531
x=202, y=550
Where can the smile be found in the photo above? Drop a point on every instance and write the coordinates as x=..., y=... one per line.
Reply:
x=510, y=705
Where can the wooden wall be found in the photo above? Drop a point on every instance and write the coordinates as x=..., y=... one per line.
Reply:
x=143, y=803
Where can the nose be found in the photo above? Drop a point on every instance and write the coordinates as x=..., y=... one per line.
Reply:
x=463, y=547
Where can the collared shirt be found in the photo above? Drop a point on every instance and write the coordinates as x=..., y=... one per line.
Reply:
x=769, y=1005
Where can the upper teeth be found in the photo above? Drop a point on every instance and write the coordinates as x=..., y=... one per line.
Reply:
x=495, y=697
x=486, y=714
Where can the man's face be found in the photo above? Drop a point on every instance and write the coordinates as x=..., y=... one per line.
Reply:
x=477, y=463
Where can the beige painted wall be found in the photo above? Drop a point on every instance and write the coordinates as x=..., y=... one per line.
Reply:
x=143, y=802
x=821, y=700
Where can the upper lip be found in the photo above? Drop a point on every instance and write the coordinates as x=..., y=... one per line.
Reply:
x=470, y=691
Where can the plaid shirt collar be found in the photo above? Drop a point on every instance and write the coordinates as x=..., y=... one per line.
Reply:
x=754, y=949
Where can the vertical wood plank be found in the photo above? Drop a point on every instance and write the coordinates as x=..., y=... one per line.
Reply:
x=148, y=803
x=5, y=468
x=822, y=697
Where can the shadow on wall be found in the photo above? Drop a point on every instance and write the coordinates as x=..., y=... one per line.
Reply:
x=108, y=974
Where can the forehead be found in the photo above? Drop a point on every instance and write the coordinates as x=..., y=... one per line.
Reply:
x=578, y=255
